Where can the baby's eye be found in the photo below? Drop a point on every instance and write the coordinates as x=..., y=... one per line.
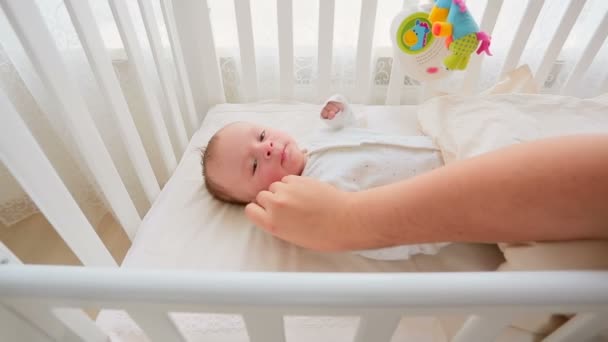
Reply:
x=255, y=166
x=262, y=135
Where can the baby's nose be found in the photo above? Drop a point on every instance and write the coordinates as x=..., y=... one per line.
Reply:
x=269, y=148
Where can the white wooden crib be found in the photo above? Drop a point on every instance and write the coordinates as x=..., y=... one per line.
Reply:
x=43, y=303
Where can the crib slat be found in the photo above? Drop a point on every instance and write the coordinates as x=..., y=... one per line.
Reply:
x=42, y=318
x=522, y=35
x=186, y=35
x=194, y=28
x=285, y=22
x=246, y=45
x=156, y=325
x=54, y=321
x=378, y=327
x=592, y=48
x=151, y=105
x=559, y=38
x=395, y=82
x=213, y=79
x=481, y=328
x=178, y=59
x=15, y=328
x=263, y=326
x=325, y=47
x=80, y=324
x=579, y=328
x=66, y=325
x=21, y=154
x=7, y=256
x=83, y=20
x=488, y=21
x=29, y=26
x=166, y=83
x=364, y=50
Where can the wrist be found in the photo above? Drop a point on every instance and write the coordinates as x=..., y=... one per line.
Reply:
x=353, y=234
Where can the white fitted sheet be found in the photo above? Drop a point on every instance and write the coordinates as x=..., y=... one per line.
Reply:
x=187, y=229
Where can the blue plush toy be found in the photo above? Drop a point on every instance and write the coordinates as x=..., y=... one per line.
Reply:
x=451, y=19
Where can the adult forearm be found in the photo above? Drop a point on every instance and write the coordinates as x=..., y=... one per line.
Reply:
x=553, y=189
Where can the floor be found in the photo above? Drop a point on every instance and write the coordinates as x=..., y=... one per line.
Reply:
x=34, y=241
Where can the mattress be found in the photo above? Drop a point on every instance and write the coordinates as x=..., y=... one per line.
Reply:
x=187, y=229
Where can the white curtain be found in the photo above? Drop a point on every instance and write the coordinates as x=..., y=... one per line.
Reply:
x=15, y=204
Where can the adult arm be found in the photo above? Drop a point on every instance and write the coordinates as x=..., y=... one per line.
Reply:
x=551, y=189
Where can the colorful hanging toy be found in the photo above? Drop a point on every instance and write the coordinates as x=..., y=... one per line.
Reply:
x=418, y=52
x=451, y=19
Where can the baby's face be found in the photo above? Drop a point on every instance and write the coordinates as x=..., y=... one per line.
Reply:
x=248, y=158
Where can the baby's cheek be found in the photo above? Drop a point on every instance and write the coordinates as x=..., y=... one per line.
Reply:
x=274, y=175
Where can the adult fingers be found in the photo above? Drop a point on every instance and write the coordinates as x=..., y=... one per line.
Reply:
x=274, y=187
x=290, y=179
x=258, y=216
x=263, y=198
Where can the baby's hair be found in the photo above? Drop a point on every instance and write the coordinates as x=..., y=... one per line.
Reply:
x=215, y=189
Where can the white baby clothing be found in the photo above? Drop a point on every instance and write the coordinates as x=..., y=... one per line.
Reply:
x=354, y=159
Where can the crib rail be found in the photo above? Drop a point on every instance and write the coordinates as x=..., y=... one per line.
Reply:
x=263, y=298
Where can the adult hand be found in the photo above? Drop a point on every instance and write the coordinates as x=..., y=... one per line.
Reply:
x=305, y=212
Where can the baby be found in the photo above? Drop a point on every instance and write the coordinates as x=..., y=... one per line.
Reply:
x=243, y=159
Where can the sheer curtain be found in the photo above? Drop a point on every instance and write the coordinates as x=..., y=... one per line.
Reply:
x=17, y=77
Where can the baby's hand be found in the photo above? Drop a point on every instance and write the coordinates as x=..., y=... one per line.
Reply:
x=331, y=109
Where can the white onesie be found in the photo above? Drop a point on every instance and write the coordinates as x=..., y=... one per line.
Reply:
x=354, y=159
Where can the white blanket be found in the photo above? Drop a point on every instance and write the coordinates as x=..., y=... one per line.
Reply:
x=464, y=127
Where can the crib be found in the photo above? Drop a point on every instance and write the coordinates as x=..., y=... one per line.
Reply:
x=48, y=303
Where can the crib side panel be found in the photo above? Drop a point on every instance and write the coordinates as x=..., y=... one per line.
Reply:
x=28, y=24
x=82, y=17
x=588, y=55
x=143, y=79
x=22, y=155
x=183, y=83
x=556, y=44
x=162, y=69
x=522, y=34
x=196, y=39
x=263, y=298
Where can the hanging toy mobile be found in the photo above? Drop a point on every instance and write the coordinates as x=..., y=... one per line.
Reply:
x=421, y=49
x=418, y=52
x=452, y=19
